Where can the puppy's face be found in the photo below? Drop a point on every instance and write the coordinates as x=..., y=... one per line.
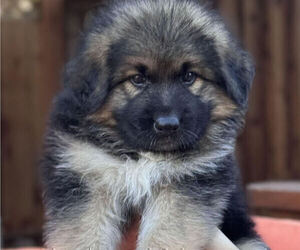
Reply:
x=162, y=77
x=158, y=100
x=160, y=111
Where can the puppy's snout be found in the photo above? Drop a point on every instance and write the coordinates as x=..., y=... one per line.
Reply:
x=166, y=124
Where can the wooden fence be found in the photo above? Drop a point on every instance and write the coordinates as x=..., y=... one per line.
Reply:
x=270, y=146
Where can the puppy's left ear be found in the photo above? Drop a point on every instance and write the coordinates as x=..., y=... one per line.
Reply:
x=238, y=73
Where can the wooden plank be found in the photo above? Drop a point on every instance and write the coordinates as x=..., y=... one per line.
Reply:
x=50, y=62
x=231, y=11
x=282, y=196
x=293, y=85
x=252, y=141
x=275, y=106
x=19, y=145
x=33, y=53
x=76, y=13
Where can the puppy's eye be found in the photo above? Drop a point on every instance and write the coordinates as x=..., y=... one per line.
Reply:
x=188, y=78
x=138, y=80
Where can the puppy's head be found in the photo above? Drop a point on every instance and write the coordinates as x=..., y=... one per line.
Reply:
x=160, y=76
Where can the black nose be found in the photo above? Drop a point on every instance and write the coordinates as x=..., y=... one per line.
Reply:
x=165, y=124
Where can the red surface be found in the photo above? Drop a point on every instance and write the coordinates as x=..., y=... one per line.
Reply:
x=279, y=234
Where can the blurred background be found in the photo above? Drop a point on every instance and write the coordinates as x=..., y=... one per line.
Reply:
x=38, y=36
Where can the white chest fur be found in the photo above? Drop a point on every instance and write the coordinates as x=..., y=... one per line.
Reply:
x=134, y=179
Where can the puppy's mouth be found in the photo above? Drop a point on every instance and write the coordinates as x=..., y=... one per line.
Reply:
x=175, y=141
x=168, y=144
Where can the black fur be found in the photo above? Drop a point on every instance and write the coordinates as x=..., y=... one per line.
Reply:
x=236, y=223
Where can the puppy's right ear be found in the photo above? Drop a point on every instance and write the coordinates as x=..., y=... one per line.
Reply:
x=85, y=90
x=86, y=80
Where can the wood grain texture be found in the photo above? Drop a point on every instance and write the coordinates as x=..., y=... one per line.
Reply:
x=19, y=141
x=33, y=56
x=276, y=103
x=253, y=140
x=232, y=14
x=275, y=198
x=293, y=86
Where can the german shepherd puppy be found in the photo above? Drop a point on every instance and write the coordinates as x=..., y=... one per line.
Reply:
x=146, y=125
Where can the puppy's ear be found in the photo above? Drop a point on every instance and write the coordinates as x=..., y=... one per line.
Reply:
x=238, y=72
x=86, y=80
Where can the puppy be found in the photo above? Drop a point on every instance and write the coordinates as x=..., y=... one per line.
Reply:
x=146, y=126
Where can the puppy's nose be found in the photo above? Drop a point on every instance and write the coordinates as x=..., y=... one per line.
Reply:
x=165, y=124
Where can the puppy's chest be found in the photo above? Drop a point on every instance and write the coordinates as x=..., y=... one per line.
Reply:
x=133, y=180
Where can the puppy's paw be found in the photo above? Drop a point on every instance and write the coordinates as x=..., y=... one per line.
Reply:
x=251, y=244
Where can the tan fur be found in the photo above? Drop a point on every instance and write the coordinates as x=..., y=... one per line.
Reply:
x=171, y=221
x=95, y=229
x=147, y=60
x=117, y=99
x=130, y=90
x=223, y=106
x=196, y=86
x=97, y=47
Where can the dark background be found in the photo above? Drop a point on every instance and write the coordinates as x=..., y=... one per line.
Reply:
x=38, y=36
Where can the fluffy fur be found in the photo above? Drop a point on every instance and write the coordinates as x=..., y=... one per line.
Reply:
x=105, y=162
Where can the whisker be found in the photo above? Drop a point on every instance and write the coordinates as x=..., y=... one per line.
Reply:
x=189, y=132
x=152, y=141
x=182, y=141
x=146, y=144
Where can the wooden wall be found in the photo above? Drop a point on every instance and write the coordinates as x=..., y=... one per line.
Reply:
x=33, y=51
x=32, y=56
x=270, y=145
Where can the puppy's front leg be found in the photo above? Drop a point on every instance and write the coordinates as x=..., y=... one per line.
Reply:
x=94, y=226
x=171, y=221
